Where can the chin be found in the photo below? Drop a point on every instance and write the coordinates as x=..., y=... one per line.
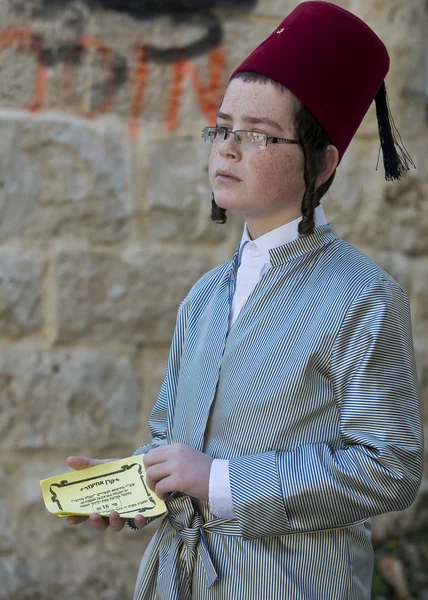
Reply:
x=224, y=200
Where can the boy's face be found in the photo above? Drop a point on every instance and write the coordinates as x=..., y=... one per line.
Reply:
x=271, y=185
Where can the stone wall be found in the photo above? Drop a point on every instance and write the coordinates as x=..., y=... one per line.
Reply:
x=104, y=206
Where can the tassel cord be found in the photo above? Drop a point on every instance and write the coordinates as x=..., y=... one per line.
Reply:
x=396, y=157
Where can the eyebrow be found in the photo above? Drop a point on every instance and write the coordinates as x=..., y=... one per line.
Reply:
x=253, y=120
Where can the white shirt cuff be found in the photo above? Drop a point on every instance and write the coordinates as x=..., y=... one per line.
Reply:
x=220, y=494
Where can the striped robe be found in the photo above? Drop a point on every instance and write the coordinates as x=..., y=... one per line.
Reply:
x=313, y=397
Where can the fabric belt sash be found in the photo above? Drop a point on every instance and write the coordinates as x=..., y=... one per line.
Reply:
x=190, y=528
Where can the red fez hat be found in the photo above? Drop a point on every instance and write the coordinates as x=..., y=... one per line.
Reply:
x=336, y=66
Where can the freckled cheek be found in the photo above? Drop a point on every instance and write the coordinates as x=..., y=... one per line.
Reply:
x=275, y=171
x=267, y=170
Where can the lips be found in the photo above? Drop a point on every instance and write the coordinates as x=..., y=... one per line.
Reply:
x=226, y=173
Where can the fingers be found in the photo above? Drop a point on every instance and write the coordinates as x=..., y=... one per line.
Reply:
x=98, y=522
x=75, y=520
x=164, y=487
x=157, y=455
x=95, y=519
x=115, y=521
x=140, y=521
x=82, y=462
x=156, y=473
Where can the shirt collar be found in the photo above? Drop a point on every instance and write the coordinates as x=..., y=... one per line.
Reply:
x=279, y=236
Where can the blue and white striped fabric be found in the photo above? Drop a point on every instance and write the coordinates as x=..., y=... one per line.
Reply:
x=313, y=397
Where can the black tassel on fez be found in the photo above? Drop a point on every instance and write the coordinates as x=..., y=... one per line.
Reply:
x=396, y=159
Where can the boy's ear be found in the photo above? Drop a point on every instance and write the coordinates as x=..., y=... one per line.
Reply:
x=331, y=158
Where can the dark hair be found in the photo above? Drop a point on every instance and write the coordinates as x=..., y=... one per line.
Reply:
x=313, y=140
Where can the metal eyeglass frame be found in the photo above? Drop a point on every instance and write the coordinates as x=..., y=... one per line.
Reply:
x=269, y=138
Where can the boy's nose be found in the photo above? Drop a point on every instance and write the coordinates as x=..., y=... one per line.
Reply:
x=229, y=147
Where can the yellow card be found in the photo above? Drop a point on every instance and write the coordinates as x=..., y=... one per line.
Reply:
x=118, y=485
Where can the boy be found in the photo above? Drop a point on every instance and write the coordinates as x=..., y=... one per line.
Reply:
x=289, y=412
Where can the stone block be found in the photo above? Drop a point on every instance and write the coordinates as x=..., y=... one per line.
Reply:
x=63, y=178
x=21, y=292
x=401, y=27
x=131, y=299
x=394, y=211
x=396, y=264
x=178, y=192
x=70, y=572
x=13, y=577
x=344, y=201
x=66, y=398
x=18, y=73
x=421, y=352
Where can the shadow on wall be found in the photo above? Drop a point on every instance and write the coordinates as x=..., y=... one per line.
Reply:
x=196, y=12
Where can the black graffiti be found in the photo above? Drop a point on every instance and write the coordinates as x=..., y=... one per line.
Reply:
x=147, y=9
x=192, y=12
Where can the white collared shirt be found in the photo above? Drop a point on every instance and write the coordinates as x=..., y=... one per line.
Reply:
x=253, y=262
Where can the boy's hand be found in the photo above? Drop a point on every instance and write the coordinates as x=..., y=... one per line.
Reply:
x=115, y=521
x=178, y=468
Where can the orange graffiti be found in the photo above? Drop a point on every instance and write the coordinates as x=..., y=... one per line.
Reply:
x=140, y=84
x=180, y=70
x=27, y=41
x=208, y=96
x=41, y=88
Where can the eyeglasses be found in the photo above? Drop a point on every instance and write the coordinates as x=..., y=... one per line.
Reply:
x=248, y=139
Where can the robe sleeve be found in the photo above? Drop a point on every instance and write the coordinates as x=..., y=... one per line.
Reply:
x=158, y=421
x=377, y=465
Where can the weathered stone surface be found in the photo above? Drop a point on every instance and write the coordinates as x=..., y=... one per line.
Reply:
x=70, y=572
x=396, y=264
x=281, y=8
x=63, y=178
x=21, y=291
x=6, y=535
x=131, y=299
x=419, y=304
x=343, y=202
x=13, y=577
x=412, y=274
x=18, y=71
x=105, y=80
x=401, y=28
x=66, y=398
x=249, y=36
x=422, y=367
x=179, y=205
x=53, y=559
x=396, y=524
x=395, y=211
